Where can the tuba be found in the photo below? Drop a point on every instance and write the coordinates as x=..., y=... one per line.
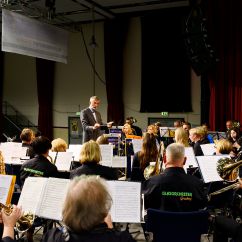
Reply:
x=24, y=222
x=227, y=169
x=154, y=169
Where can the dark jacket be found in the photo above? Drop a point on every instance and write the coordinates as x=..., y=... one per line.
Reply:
x=174, y=190
x=38, y=166
x=7, y=239
x=88, y=121
x=100, y=234
x=137, y=173
x=92, y=168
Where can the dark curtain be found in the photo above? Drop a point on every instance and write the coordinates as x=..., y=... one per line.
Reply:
x=45, y=79
x=166, y=79
x=1, y=93
x=225, y=27
x=114, y=36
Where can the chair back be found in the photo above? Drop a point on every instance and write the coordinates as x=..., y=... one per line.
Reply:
x=177, y=226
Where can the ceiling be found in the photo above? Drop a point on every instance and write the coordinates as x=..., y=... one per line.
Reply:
x=68, y=13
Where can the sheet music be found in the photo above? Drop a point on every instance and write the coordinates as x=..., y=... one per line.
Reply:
x=208, y=149
x=137, y=145
x=53, y=198
x=191, y=159
x=126, y=201
x=76, y=150
x=106, y=153
x=12, y=152
x=208, y=167
x=5, y=183
x=119, y=162
x=31, y=194
x=63, y=160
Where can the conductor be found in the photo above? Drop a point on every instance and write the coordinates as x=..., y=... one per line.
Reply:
x=91, y=120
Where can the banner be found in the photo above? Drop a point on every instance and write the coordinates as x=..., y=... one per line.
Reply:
x=26, y=36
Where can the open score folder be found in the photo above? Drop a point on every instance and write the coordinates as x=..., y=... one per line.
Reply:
x=45, y=197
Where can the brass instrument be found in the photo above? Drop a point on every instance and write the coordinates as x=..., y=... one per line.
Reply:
x=155, y=169
x=2, y=164
x=229, y=171
x=24, y=222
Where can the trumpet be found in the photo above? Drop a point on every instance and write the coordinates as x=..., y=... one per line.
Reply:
x=229, y=171
x=24, y=222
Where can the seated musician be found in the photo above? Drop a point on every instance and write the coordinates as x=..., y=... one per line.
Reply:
x=174, y=190
x=142, y=159
x=197, y=137
x=127, y=133
x=90, y=157
x=8, y=222
x=226, y=227
x=58, y=145
x=85, y=214
x=27, y=136
x=39, y=165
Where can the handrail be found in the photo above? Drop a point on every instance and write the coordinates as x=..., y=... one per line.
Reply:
x=16, y=118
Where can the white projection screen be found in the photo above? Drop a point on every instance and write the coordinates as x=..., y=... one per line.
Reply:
x=26, y=36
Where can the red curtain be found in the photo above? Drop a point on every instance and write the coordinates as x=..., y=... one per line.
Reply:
x=114, y=36
x=225, y=28
x=45, y=79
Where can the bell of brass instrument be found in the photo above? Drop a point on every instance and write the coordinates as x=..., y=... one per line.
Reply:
x=24, y=222
x=229, y=171
x=154, y=169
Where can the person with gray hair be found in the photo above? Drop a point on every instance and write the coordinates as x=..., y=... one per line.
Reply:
x=86, y=214
x=91, y=120
x=174, y=190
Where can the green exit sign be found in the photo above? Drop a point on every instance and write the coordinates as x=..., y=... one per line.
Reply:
x=164, y=114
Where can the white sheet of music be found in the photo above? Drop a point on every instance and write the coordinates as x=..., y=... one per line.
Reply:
x=53, y=198
x=208, y=149
x=191, y=159
x=106, y=152
x=63, y=161
x=208, y=167
x=126, y=201
x=119, y=162
x=137, y=144
x=32, y=193
x=5, y=182
x=12, y=152
x=76, y=150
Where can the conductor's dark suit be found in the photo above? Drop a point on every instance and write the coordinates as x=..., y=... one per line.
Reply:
x=88, y=121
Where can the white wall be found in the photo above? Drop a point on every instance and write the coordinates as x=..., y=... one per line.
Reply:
x=74, y=82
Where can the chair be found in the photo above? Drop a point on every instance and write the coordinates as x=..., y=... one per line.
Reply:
x=177, y=226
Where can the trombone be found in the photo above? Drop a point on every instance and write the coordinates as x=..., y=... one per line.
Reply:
x=228, y=170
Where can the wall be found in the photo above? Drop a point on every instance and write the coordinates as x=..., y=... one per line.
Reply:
x=74, y=82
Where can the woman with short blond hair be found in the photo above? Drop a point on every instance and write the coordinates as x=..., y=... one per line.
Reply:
x=90, y=156
x=58, y=145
